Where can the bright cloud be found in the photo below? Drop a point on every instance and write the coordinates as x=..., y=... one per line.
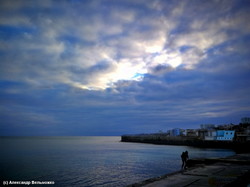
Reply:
x=174, y=59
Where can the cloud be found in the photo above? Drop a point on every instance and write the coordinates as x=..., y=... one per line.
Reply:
x=125, y=39
x=124, y=61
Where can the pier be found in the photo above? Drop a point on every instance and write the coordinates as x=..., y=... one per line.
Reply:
x=222, y=172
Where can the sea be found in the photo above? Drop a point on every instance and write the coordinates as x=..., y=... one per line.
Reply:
x=90, y=161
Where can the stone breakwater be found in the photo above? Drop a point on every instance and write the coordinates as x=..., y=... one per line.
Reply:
x=238, y=147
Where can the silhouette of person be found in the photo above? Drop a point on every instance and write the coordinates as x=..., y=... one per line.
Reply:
x=184, y=158
x=187, y=157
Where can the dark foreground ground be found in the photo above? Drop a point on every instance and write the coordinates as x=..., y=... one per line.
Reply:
x=223, y=172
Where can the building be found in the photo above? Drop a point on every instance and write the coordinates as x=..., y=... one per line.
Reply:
x=245, y=120
x=243, y=135
x=211, y=135
x=202, y=133
x=225, y=135
x=191, y=133
x=175, y=132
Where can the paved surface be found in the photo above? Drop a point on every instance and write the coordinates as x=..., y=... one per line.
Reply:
x=232, y=171
x=218, y=174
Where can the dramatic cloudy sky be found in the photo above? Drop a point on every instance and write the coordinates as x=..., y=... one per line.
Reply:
x=111, y=67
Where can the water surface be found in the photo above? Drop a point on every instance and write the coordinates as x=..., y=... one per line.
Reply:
x=91, y=161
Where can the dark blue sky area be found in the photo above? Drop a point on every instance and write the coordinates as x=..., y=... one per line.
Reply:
x=106, y=67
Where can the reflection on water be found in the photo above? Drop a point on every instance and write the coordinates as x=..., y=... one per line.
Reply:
x=91, y=161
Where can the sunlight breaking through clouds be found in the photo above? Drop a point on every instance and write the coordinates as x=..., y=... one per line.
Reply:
x=123, y=70
x=174, y=59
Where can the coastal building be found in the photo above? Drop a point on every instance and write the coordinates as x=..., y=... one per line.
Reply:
x=182, y=132
x=243, y=134
x=225, y=135
x=211, y=135
x=175, y=132
x=202, y=133
x=205, y=130
x=245, y=120
x=191, y=132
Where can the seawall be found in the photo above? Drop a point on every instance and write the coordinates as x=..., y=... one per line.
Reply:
x=238, y=147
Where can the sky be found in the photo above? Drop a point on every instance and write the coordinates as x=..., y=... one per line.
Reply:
x=109, y=67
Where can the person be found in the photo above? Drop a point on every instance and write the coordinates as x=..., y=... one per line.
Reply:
x=186, y=152
x=184, y=158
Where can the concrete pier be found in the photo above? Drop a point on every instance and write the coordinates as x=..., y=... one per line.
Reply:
x=223, y=172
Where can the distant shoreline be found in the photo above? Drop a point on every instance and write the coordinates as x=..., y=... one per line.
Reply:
x=238, y=147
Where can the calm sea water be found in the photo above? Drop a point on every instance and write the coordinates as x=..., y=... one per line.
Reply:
x=90, y=161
